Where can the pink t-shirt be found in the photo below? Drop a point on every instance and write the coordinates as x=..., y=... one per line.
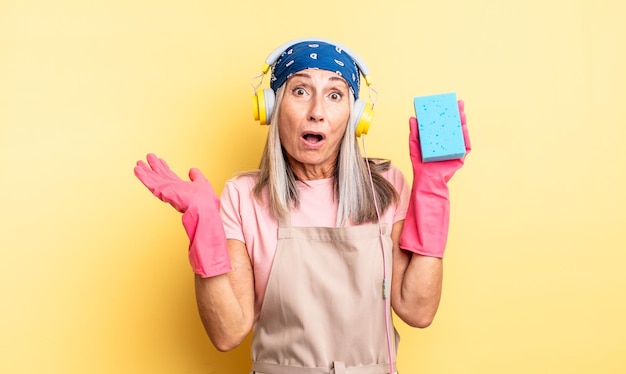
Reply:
x=248, y=220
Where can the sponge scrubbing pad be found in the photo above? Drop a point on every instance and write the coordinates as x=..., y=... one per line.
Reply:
x=439, y=126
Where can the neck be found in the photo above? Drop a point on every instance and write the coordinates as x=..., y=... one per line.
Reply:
x=306, y=172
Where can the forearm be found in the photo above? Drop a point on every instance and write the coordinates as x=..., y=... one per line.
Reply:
x=226, y=302
x=417, y=290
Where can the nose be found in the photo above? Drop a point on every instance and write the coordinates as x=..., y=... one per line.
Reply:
x=317, y=110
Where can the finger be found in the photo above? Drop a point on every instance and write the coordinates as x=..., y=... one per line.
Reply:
x=414, y=144
x=413, y=125
x=413, y=131
x=152, y=159
x=139, y=172
x=141, y=164
x=151, y=179
x=466, y=137
x=196, y=175
x=157, y=164
x=154, y=162
x=468, y=144
x=161, y=167
x=462, y=112
x=142, y=170
x=145, y=175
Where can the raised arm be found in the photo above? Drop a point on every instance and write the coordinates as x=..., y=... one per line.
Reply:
x=224, y=281
x=420, y=241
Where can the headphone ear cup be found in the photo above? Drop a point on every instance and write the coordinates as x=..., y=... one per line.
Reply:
x=263, y=106
x=363, y=116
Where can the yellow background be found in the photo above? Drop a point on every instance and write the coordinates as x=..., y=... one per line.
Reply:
x=93, y=270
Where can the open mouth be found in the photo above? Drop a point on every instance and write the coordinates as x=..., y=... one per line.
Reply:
x=313, y=138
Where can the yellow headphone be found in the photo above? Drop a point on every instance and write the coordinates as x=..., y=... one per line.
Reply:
x=263, y=101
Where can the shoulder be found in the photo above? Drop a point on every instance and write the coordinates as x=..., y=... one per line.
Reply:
x=395, y=175
x=389, y=171
x=238, y=204
x=239, y=190
x=243, y=182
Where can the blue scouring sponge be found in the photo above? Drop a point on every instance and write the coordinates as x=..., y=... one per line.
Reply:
x=439, y=126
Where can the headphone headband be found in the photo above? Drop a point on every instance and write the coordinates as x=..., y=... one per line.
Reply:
x=273, y=57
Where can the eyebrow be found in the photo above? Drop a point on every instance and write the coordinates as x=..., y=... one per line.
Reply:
x=332, y=78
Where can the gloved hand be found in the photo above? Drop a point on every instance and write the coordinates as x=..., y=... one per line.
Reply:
x=426, y=225
x=208, y=252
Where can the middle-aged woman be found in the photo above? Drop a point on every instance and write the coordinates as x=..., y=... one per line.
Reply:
x=312, y=250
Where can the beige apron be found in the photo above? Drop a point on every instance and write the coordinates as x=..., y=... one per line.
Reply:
x=323, y=310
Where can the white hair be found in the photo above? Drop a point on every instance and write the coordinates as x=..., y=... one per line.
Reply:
x=352, y=182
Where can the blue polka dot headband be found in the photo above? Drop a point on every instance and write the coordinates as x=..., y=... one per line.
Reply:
x=315, y=55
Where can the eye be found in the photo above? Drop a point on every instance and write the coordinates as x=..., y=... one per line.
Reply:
x=335, y=96
x=299, y=91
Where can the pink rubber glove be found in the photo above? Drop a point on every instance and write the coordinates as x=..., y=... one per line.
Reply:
x=426, y=225
x=208, y=252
